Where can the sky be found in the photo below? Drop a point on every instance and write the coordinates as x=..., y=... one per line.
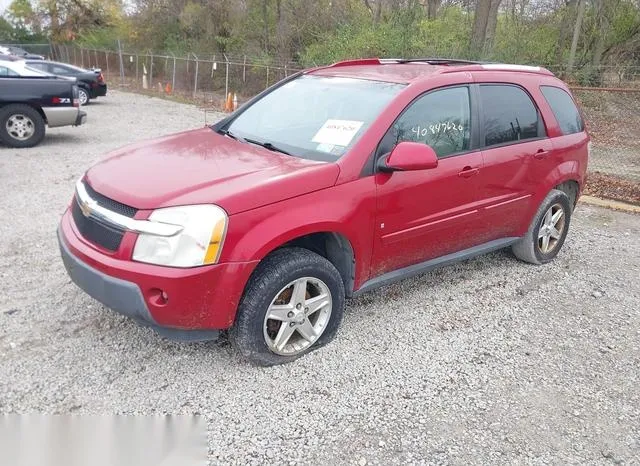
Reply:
x=3, y=5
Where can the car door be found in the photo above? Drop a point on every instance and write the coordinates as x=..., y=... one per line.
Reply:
x=516, y=157
x=425, y=214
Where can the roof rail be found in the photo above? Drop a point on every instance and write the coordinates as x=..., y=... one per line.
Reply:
x=356, y=62
x=503, y=67
x=437, y=61
x=389, y=61
x=466, y=65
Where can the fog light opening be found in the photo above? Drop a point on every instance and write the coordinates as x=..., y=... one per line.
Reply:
x=158, y=297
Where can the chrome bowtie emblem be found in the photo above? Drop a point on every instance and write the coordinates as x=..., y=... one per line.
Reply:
x=87, y=206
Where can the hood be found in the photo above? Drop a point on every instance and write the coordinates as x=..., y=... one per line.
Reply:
x=203, y=167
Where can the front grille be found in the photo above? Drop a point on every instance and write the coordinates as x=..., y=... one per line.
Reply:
x=102, y=235
x=106, y=236
x=110, y=204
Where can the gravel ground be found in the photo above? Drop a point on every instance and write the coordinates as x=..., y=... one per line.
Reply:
x=490, y=361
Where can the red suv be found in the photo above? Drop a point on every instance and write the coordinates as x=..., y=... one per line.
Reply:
x=334, y=181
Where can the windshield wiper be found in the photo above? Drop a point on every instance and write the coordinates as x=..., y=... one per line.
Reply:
x=226, y=132
x=267, y=145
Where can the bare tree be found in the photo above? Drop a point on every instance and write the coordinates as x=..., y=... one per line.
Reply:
x=568, y=13
x=576, y=35
x=265, y=20
x=484, y=26
x=492, y=22
x=432, y=8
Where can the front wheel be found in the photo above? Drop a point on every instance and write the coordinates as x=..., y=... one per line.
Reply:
x=21, y=126
x=547, y=231
x=293, y=304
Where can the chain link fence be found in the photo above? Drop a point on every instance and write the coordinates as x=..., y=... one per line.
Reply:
x=204, y=79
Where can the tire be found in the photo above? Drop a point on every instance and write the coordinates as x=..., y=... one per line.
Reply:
x=21, y=126
x=531, y=247
x=83, y=96
x=274, y=282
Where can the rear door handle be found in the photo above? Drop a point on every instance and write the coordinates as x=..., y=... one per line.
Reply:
x=541, y=154
x=468, y=172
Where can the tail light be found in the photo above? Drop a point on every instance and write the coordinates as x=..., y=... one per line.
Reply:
x=75, y=96
x=100, y=78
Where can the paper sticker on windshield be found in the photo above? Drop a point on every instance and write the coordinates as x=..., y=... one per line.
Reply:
x=322, y=147
x=337, y=132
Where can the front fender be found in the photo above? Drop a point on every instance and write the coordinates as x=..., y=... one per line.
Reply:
x=347, y=209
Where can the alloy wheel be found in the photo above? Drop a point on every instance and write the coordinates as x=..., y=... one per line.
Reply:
x=551, y=229
x=297, y=316
x=83, y=97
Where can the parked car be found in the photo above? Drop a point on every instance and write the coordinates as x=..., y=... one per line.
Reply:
x=31, y=100
x=91, y=84
x=6, y=57
x=333, y=182
x=19, y=52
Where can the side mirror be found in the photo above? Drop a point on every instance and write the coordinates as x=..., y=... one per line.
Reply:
x=409, y=156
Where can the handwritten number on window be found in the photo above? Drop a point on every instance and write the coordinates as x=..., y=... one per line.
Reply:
x=437, y=128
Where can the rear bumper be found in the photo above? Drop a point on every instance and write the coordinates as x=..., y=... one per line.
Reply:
x=81, y=119
x=201, y=301
x=64, y=116
x=99, y=91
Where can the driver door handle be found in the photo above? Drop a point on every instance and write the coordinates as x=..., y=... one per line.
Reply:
x=468, y=172
x=541, y=154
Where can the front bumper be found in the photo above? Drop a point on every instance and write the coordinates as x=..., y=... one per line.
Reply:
x=201, y=301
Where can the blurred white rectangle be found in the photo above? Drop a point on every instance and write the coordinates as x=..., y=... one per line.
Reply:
x=102, y=440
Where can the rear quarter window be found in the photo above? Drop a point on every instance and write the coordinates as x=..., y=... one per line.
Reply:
x=564, y=109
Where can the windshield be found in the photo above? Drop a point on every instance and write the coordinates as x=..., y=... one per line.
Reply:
x=314, y=117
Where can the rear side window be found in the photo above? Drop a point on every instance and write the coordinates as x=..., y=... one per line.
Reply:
x=509, y=115
x=38, y=66
x=61, y=70
x=564, y=109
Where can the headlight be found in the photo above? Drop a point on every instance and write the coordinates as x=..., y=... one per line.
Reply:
x=199, y=242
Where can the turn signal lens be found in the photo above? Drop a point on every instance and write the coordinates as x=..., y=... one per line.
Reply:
x=215, y=244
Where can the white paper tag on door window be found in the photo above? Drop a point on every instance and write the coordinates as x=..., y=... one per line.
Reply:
x=337, y=132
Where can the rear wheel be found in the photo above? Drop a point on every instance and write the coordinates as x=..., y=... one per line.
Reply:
x=83, y=96
x=21, y=126
x=547, y=231
x=293, y=304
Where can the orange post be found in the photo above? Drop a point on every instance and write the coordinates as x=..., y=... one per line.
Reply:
x=229, y=104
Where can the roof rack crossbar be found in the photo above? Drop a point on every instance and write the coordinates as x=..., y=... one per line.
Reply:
x=382, y=61
x=438, y=61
